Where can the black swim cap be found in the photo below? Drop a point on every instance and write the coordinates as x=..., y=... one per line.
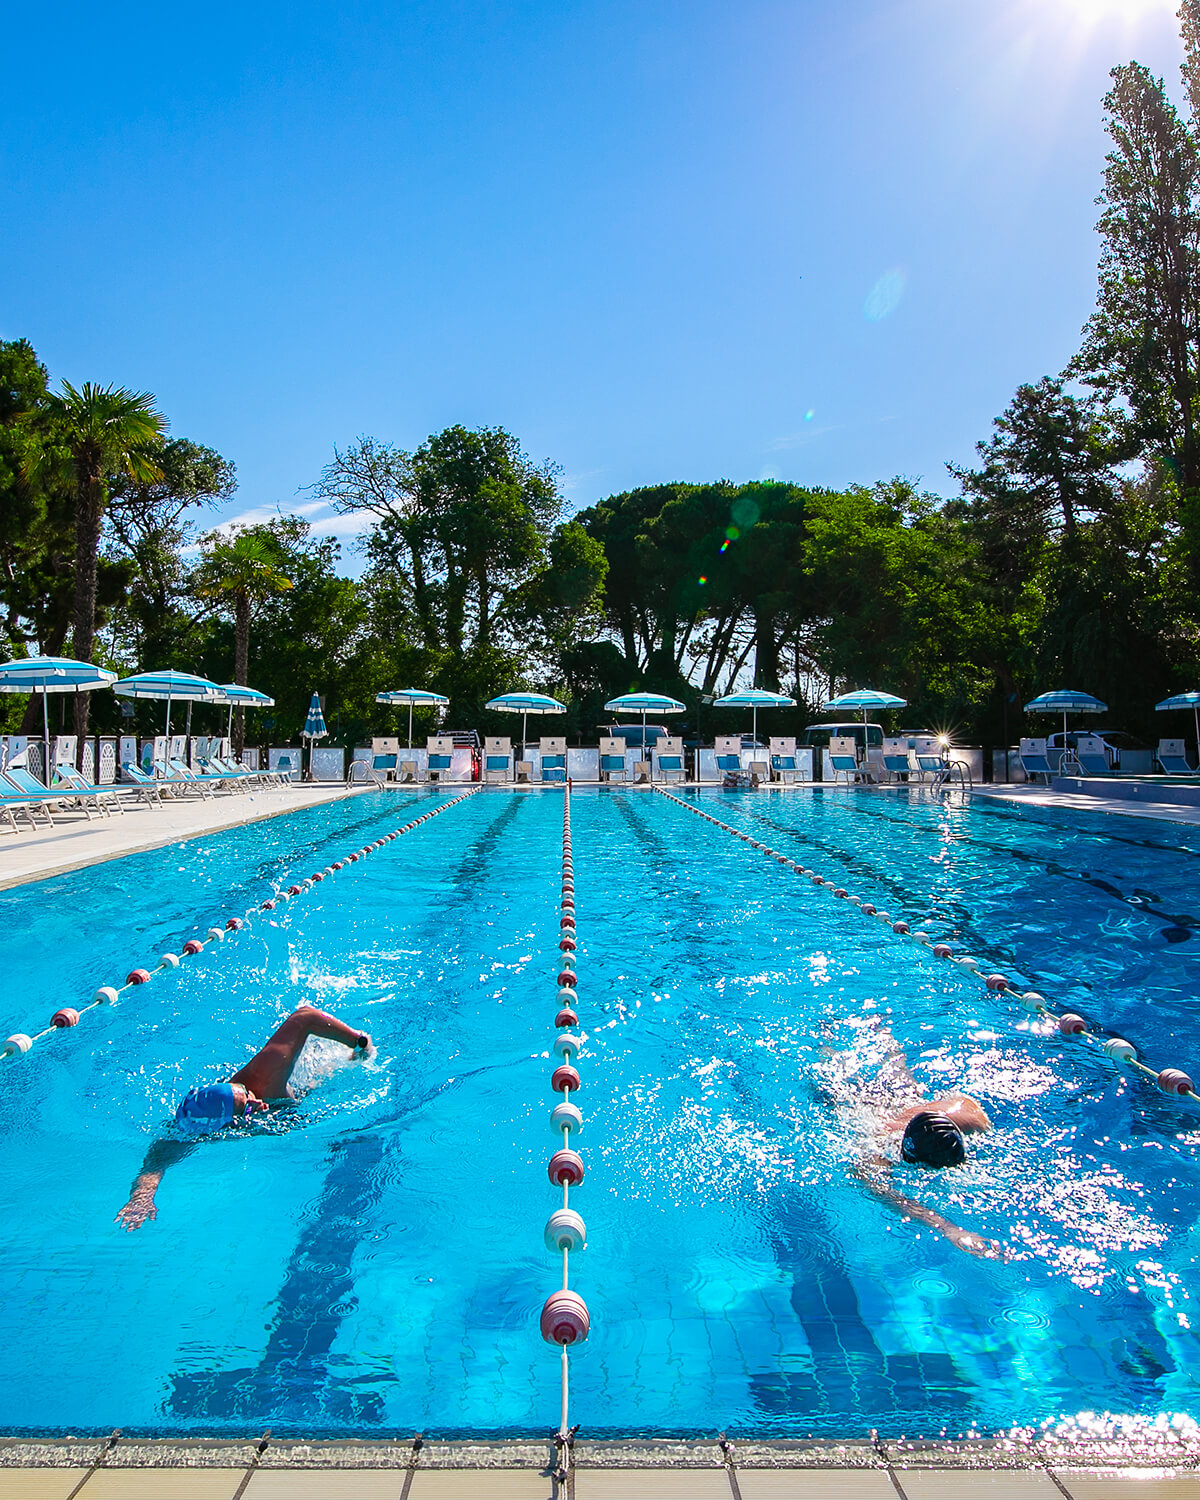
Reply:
x=934, y=1140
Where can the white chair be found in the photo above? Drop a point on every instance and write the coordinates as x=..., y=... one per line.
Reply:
x=612, y=759
x=668, y=759
x=843, y=757
x=497, y=758
x=553, y=757
x=1035, y=760
x=1172, y=757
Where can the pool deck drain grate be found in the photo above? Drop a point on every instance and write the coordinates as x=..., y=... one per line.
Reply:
x=1047, y=1468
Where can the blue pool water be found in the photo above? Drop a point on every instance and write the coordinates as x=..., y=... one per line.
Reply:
x=376, y=1265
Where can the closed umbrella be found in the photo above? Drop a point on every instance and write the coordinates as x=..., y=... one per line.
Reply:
x=645, y=703
x=1183, y=700
x=184, y=687
x=525, y=704
x=314, y=728
x=1065, y=701
x=415, y=698
x=52, y=674
x=755, y=698
x=868, y=699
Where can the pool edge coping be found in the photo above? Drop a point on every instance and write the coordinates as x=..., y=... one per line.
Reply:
x=1037, y=1453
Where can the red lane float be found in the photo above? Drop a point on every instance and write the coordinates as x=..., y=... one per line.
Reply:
x=1170, y=1080
x=107, y=994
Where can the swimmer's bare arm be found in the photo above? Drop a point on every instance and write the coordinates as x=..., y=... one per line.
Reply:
x=161, y=1155
x=874, y=1172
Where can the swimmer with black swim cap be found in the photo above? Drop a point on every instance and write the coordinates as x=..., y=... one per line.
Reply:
x=932, y=1135
x=933, y=1139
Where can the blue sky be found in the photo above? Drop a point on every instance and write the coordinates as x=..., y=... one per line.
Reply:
x=656, y=239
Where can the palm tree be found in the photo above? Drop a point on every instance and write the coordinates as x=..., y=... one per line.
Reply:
x=84, y=437
x=241, y=569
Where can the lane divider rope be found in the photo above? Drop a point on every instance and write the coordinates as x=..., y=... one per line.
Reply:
x=21, y=1042
x=565, y=1319
x=1169, y=1080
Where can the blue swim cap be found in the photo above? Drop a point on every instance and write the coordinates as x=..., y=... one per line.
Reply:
x=207, y=1108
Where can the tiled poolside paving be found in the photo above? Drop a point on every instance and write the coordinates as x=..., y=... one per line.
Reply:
x=1012, y=1469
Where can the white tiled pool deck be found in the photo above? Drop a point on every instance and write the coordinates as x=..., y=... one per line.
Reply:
x=76, y=841
x=636, y=1470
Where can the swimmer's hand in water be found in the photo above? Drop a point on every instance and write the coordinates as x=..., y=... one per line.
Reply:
x=975, y=1244
x=141, y=1206
x=363, y=1046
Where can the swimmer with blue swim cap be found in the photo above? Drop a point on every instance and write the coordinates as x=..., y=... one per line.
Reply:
x=263, y=1084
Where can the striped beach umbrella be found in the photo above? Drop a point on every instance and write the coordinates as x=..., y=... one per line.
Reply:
x=52, y=674
x=237, y=695
x=415, y=698
x=525, y=704
x=755, y=698
x=1065, y=701
x=1183, y=700
x=645, y=703
x=867, y=699
x=182, y=687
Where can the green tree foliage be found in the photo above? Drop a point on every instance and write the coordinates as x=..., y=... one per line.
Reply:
x=1142, y=345
x=241, y=570
x=149, y=527
x=473, y=576
x=81, y=438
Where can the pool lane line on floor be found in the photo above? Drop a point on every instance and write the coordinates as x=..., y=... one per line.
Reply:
x=21, y=1042
x=564, y=1320
x=1170, y=1080
x=1177, y=926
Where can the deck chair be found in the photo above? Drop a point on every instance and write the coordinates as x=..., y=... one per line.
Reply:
x=553, y=749
x=729, y=764
x=612, y=759
x=523, y=771
x=439, y=766
x=25, y=793
x=783, y=758
x=1091, y=756
x=148, y=789
x=384, y=766
x=612, y=768
x=206, y=784
x=843, y=757
x=409, y=770
x=1172, y=757
x=670, y=767
x=103, y=797
x=926, y=761
x=895, y=758
x=760, y=771
x=1034, y=760
x=497, y=758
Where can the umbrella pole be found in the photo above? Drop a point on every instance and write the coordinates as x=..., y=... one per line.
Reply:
x=46, y=729
x=754, y=730
x=1196, y=716
x=410, y=709
x=524, y=721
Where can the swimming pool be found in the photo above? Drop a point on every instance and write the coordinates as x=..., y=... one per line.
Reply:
x=377, y=1266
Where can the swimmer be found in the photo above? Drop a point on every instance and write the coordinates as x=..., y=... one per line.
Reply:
x=932, y=1134
x=263, y=1084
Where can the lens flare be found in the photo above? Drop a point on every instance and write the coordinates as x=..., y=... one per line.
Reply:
x=884, y=296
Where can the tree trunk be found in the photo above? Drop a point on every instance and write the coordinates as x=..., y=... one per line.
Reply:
x=766, y=652
x=241, y=664
x=89, y=513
